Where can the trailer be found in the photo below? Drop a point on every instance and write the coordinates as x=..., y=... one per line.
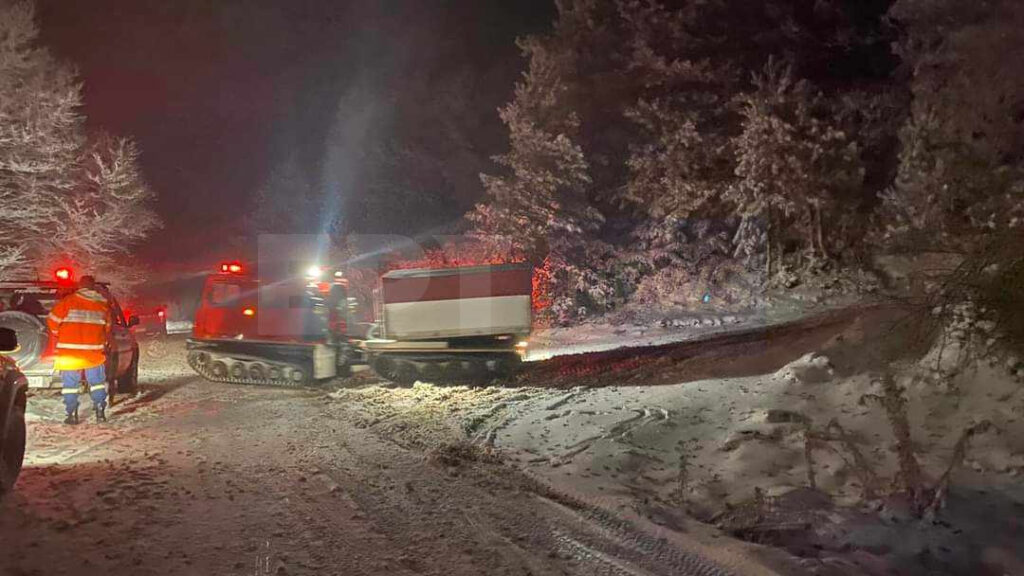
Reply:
x=451, y=324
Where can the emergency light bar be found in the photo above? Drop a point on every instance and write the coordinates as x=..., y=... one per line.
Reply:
x=63, y=274
x=230, y=268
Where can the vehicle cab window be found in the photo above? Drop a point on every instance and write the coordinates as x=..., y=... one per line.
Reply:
x=224, y=294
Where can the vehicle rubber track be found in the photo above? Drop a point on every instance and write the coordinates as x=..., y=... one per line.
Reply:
x=406, y=369
x=238, y=369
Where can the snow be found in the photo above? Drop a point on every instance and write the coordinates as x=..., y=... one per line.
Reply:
x=698, y=446
x=710, y=446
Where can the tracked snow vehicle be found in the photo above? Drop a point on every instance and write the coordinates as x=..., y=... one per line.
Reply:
x=440, y=325
x=276, y=333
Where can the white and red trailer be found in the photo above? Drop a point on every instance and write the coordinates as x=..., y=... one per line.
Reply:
x=451, y=323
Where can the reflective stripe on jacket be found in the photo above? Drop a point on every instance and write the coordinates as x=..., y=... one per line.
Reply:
x=81, y=322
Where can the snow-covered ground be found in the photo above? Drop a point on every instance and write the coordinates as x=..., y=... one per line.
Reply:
x=192, y=477
x=717, y=434
x=710, y=448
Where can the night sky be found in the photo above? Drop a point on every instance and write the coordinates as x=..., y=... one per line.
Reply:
x=217, y=93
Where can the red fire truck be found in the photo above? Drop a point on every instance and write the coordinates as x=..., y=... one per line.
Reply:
x=467, y=324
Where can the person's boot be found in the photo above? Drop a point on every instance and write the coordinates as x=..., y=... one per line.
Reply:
x=101, y=415
x=72, y=418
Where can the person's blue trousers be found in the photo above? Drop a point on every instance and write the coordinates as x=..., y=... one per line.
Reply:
x=96, y=377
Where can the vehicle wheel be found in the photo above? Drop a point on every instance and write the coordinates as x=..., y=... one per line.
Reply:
x=12, y=446
x=384, y=367
x=274, y=373
x=238, y=371
x=406, y=373
x=507, y=366
x=452, y=372
x=128, y=383
x=478, y=373
x=219, y=369
x=431, y=372
x=199, y=358
x=257, y=373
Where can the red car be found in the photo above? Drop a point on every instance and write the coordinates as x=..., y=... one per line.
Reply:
x=152, y=322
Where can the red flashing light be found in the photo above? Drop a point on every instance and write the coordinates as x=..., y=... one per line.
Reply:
x=248, y=311
x=160, y=313
x=230, y=268
x=63, y=274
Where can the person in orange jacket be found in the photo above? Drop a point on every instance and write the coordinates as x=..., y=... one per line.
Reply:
x=81, y=322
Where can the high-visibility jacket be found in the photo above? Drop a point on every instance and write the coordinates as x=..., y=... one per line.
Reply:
x=81, y=322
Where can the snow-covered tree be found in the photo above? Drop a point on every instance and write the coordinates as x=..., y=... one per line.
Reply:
x=543, y=193
x=680, y=157
x=543, y=204
x=638, y=140
x=40, y=137
x=795, y=168
x=63, y=196
x=961, y=169
x=106, y=213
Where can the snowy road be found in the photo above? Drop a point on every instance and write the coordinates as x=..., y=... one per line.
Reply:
x=199, y=478
x=192, y=477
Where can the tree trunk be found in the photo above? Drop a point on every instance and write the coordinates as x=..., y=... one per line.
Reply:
x=768, y=241
x=821, y=239
x=810, y=231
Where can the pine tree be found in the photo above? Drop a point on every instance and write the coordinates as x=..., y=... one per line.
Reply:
x=795, y=168
x=543, y=194
x=639, y=140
